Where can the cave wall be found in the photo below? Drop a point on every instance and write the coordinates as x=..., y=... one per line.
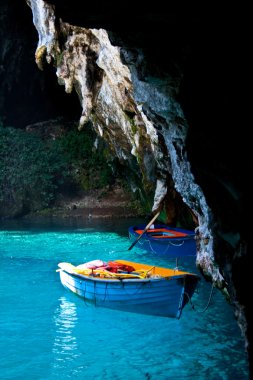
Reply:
x=214, y=99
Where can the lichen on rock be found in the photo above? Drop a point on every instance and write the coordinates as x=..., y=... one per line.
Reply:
x=39, y=55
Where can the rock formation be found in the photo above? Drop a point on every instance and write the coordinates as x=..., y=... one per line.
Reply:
x=172, y=119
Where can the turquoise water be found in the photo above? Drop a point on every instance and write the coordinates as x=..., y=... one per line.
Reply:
x=49, y=333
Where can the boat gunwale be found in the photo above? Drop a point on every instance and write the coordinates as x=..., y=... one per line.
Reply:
x=189, y=235
x=161, y=238
x=137, y=280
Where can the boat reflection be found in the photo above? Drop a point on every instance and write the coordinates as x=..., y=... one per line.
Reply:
x=65, y=318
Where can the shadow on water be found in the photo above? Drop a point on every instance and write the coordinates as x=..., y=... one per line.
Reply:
x=119, y=226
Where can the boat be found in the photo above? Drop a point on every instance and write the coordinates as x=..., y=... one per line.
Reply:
x=130, y=286
x=163, y=239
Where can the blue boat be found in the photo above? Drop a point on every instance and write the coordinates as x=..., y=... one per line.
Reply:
x=130, y=286
x=164, y=240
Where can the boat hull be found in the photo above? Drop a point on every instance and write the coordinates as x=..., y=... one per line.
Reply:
x=160, y=297
x=173, y=246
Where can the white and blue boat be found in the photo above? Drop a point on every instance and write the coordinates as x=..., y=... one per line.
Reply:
x=164, y=240
x=131, y=286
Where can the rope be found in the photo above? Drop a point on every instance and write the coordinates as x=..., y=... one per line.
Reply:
x=105, y=291
x=176, y=245
x=207, y=305
x=152, y=250
x=95, y=300
x=138, y=289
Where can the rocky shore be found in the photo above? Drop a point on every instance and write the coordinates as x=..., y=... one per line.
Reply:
x=94, y=204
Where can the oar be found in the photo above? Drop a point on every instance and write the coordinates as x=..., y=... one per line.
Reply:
x=143, y=232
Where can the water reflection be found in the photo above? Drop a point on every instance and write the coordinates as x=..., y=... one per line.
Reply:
x=65, y=344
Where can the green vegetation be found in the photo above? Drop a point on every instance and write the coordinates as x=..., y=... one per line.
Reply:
x=30, y=171
x=88, y=166
x=35, y=170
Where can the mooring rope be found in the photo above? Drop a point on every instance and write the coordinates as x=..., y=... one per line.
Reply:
x=207, y=305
